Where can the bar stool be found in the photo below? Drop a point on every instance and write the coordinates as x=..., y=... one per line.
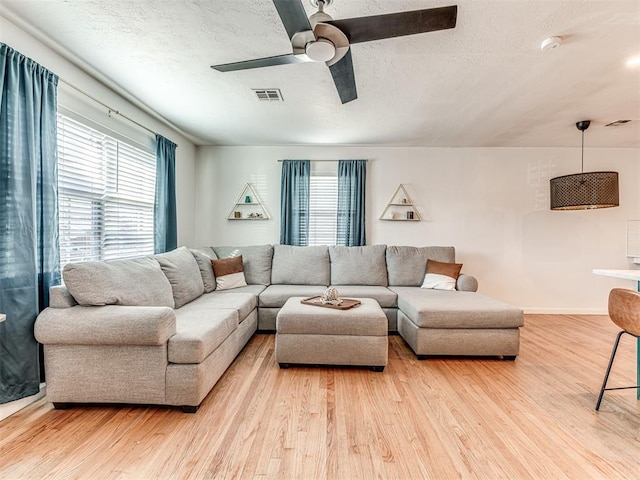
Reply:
x=624, y=311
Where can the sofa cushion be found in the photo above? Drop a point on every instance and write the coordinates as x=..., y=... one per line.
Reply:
x=133, y=282
x=254, y=290
x=385, y=297
x=453, y=309
x=300, y=265
x=243, y=303
x=229, y=273
x=182, y=271
x=358, y=265
x=256, y=259
x=200, y=330
x=407, y=265
x=275, y=296
x=203, y=257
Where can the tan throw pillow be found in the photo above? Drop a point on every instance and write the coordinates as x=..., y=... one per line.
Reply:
x=441, y=275
x=229, y=273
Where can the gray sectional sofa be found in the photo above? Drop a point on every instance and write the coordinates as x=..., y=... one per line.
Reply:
x=155, y=330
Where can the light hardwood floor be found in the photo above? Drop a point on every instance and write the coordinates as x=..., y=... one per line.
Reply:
x=437, y=418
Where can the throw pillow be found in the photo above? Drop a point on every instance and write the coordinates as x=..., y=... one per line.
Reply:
x=441, y=275
x=229, y=273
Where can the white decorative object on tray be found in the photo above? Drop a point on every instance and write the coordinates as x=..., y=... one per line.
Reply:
x=331, y=296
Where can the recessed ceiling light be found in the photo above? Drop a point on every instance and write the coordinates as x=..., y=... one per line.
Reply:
x=550, y=43
x=634, y=61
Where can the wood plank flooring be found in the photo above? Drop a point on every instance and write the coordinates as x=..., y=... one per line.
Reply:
x=439, y=418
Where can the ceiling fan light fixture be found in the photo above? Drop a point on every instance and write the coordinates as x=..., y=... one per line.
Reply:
x=322, y=50
x=584, y=191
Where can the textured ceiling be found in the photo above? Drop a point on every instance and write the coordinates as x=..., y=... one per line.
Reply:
x=484, y=83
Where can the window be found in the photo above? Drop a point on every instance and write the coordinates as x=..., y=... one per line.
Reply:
x=323, y=203
x=106, y=193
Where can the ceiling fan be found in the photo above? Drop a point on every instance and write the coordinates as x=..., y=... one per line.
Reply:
x=319, y=38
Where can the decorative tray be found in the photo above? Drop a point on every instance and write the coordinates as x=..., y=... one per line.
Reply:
x=316, y=301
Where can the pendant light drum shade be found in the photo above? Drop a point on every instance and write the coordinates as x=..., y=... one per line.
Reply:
x=583, y=191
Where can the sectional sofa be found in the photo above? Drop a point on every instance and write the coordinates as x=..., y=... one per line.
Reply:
x=156, y=330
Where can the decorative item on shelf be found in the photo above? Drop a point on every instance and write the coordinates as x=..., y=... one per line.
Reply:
x=256, y=215
x=394, y=215
x=584, y=191
x=247, y=199
x=404, y=200
x=331, y=296
x=410, y=215
x=237, y=214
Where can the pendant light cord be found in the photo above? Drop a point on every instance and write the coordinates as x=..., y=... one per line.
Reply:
x=582, y=151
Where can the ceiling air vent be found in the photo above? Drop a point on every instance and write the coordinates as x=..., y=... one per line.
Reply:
x=617, y=123
x=268, y=94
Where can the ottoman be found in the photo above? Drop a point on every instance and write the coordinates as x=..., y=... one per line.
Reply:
x=308, y=334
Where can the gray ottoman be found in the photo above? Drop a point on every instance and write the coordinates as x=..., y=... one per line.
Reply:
x=307, y=334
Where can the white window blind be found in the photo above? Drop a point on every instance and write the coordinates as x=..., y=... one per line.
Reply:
x=106, y=192
x=323, y=203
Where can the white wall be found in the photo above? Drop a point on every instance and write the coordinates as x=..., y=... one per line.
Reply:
x=491, y=204
x=33, y=48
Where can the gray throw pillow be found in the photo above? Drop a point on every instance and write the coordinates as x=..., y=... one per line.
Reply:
x=182, y=271
x=134, y=282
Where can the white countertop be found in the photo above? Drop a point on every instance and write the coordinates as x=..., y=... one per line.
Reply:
x=628, y=274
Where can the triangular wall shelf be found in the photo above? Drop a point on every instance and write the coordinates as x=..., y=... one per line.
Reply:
x=401, y=207
x=248, y=206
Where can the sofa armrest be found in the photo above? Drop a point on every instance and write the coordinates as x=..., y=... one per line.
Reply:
x=467, y=283
x=105, y=325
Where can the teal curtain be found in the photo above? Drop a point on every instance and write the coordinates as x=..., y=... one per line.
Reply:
x=29, y=247
x=352, y=179
x=294, y=202
x=165, y=222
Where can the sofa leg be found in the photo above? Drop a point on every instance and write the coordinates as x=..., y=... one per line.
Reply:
x=422, y=357
x=378, y=368
x=61, y=405
x=509, y=357
x=190, y=408
x=284, y=365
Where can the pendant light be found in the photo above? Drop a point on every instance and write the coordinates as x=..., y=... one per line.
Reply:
x=584, y=191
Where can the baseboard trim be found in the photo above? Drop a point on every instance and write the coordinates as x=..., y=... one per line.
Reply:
x=564, y=311
x=8, y=409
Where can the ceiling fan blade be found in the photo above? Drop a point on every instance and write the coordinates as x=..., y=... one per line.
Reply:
x=378, y=27
x=293, y=16
x=343, y=77
x=261, y=62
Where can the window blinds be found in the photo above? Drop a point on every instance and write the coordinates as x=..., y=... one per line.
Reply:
x=106, y=193
x=323, y=207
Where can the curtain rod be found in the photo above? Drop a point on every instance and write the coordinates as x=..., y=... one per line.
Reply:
x=111, y=110
x=280, y=161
